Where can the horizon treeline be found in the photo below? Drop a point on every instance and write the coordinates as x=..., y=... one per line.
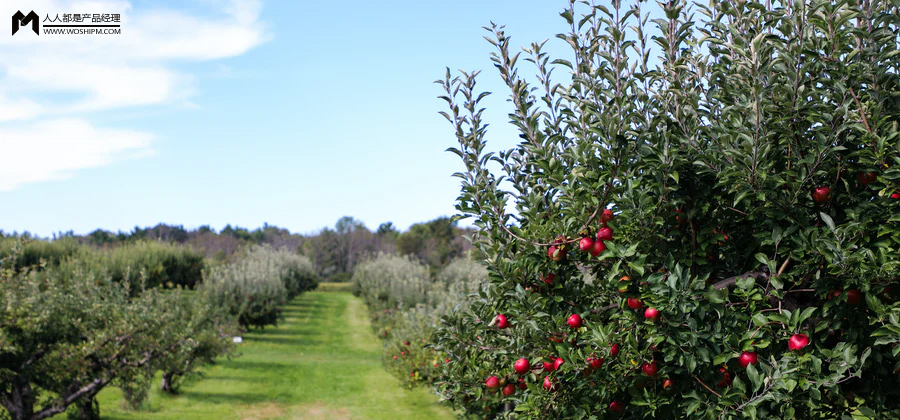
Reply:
x=334, y=251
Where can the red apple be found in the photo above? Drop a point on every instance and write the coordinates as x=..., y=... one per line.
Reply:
x=866, y=178
x=521, y=384
x=798, y=342
x=502, y=322
x=650, y=369
x=548, y=366
x=854, y=296
x=508, y=390
x=606, y=216
x=605, y=233
x=574, y=321
x=557, y=253
x=726, y=380
x=635, y=303
x=651, y=314
x=822, y=194
x=617, y=407
x=558, y=363
x=522, y=366
x=549, y=384
x=614, y=350
x=597, y=248
x=595, y=362
x=895, y=195
x=748, y=358
x=585, y=244
x=492, y=382
x=549, y=278
x=668, y=383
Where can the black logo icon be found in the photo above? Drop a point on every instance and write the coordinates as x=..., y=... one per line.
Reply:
x=23, y=20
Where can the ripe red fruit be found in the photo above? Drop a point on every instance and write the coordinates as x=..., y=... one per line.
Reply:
x=822, y=194
x=650, y=369
x=614, y=350
x=595, y=362
x=606, y=216
x=574, y=321
x=557, y=253
x=798, y=342
x=406, y=343
x=854, y=296
x=549, y=278
x=492, y=382
x=548, y=366
x=895, y=196
x=522, y=365
x=866, y=178
x=502, y=322
x=597, y=248
x=651, y=314
x=748, y=358
x=549, y=384
x=605, y=233
x=668, y=383
x=617, y=407
x=557, y=363
x=521, y=384
x=508, y=390
x=726, y=380
x=585, y=244
x=635, y=303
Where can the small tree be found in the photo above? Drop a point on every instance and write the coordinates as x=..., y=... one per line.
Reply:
x=746, y=188
x=67, y=333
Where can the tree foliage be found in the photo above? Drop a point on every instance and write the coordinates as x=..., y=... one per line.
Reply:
x=748, y=152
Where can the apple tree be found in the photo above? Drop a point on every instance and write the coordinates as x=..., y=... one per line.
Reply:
x=702, y=218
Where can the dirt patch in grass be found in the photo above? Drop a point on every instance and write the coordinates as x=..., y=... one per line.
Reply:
x=319, y=411
x=262, y=412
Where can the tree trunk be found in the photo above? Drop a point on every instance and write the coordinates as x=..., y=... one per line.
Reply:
x=168, y=382
x=19, y=402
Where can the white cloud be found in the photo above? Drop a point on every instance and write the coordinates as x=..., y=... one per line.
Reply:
x=54, y=149
x=95, y=73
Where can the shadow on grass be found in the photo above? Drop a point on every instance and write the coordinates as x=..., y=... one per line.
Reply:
x=227, y=398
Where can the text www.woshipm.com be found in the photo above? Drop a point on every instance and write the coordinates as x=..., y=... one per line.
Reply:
x=82, y=31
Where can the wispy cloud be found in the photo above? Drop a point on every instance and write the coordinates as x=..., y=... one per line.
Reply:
x=53, y=88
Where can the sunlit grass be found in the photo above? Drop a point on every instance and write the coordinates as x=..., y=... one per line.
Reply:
x=323, y=362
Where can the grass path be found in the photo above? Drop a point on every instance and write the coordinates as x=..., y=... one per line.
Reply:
x=323, y=362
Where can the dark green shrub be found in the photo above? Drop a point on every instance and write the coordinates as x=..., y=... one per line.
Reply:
x=154, y=264
x=35, y=252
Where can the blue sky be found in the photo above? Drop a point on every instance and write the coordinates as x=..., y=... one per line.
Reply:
x=293, y=113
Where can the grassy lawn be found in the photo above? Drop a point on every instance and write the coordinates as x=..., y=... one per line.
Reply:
x=323, y=362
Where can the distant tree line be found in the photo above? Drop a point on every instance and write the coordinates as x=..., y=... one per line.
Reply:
x=334, y=251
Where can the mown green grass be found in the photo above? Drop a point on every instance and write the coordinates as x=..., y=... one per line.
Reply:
x=323, y=362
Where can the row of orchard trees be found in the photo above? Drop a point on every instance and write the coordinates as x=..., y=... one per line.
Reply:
x=407, y=302
x=739, y=163
x=74, y=320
